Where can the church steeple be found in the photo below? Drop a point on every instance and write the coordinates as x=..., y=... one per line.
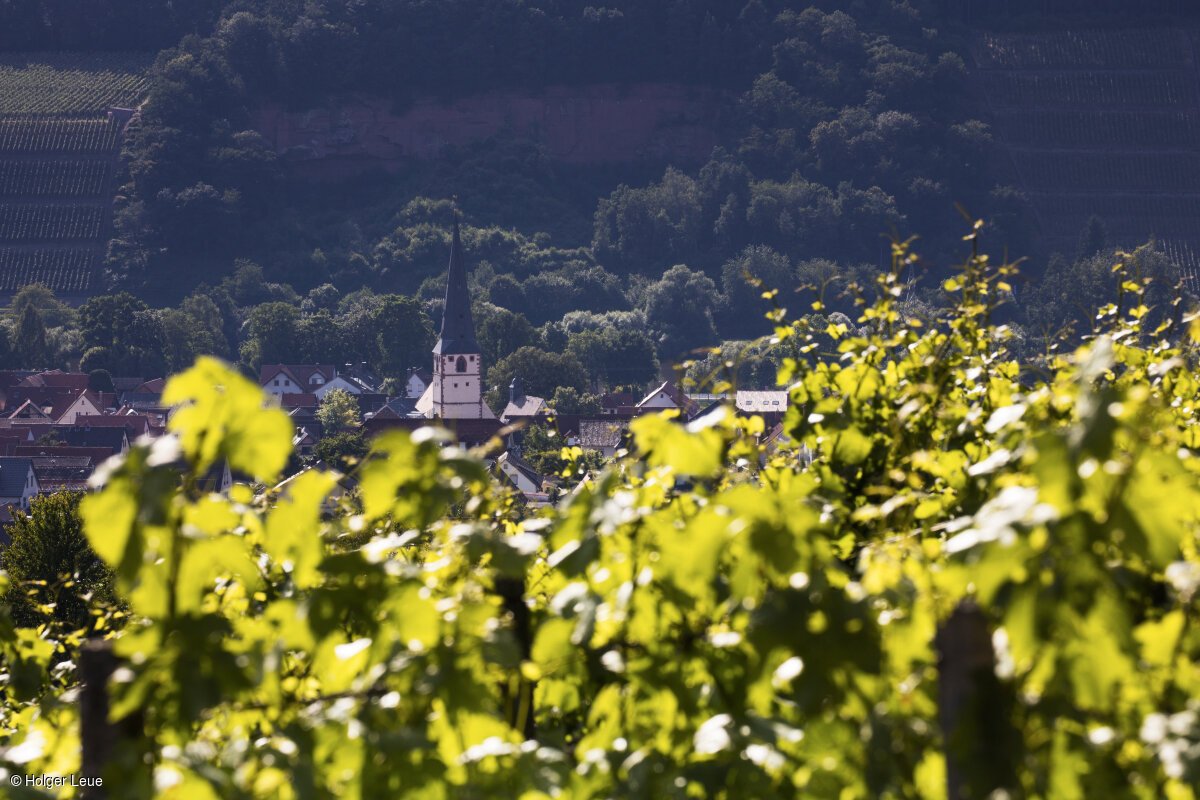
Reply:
x=456, y=391
x=458, y=328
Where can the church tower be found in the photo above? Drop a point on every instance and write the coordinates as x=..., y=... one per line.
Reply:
x=457, y=388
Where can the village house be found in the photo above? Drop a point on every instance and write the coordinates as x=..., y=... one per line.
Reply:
x=280, y=379
x=417, y=382
x=521, y=405
x=18, y=485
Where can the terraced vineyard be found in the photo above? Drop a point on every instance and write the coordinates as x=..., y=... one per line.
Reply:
x=1101, y=122
x=41, y=83
x=61, y=122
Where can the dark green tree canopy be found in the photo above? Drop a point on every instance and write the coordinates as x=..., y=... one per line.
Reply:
x=540, y=371
x=54, y=576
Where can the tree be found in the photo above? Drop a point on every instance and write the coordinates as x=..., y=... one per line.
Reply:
x=100, y=380
x=342, y=451
x=323, y=298
x=338, y=412
x=1066, y=298
x=506, y=292
x=177, y=343
x=8, y=358
x=755, y=270
x=501, y=332
x=105, y=320
x=272, y=335
x=29, y=340
x=209, y=322
x=319, y=339
x=679, y=308
x=540, y=372
x=141, y=351
x=55, y=313
x=615, y=356
x=54, y=574
x=569, y=400
x=1093, y=239
x=403, y=335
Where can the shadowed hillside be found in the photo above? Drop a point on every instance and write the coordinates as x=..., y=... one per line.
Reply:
x=1104, y=123
x=62, y=117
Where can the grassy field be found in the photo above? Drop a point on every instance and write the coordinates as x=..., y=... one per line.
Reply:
x=57, y=83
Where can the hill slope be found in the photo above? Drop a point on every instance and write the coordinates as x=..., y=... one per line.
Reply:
x=61, y=124
x=1101, y=122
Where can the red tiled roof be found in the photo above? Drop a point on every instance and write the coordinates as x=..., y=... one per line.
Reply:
x=53, y=398
x=299, y=373
x=58, y=379
x=136, y=424
x=298, y=400
x=617, y=400
x=97, y=454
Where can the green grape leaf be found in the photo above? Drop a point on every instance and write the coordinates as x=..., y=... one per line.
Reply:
x=293, y=533
x=222, y=416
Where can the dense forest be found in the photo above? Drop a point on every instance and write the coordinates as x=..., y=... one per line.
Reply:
x=841, y=125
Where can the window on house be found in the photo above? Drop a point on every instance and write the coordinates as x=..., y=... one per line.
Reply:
x=277, y=381
x=461, y=365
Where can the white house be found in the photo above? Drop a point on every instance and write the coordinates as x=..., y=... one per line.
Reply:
x=18, y=484
x=418, y=381
x=664, y=396
x=524, y=478
x=338, y=382
x=521, y=405
x=762, y=402
x=83, y=405
x=295, y=378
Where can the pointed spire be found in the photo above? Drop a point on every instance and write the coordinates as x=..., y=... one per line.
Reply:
x=458, y=328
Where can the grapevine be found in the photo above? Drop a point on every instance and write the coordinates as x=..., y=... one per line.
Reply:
x=707, y=618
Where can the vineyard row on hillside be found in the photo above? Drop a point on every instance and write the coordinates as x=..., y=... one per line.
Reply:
x=68, y=84
x=23, y=134
x=28, y=223
x=65, y=270
x=53, y=178
x=1132, y=49
x=1100, y=129
x=1139, y=89
x=1127, y=229
x=1164, y=207
x=1121, y=173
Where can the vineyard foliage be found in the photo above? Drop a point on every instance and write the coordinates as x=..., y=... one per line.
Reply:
x=49, y=222
x=1104, y=49
x=59, y=151
x=71, y=84
x=66, y=269
x=54, y=178
x=22, y=135
x=705, y=618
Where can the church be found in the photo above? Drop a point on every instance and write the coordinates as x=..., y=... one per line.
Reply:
x=456, y=390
